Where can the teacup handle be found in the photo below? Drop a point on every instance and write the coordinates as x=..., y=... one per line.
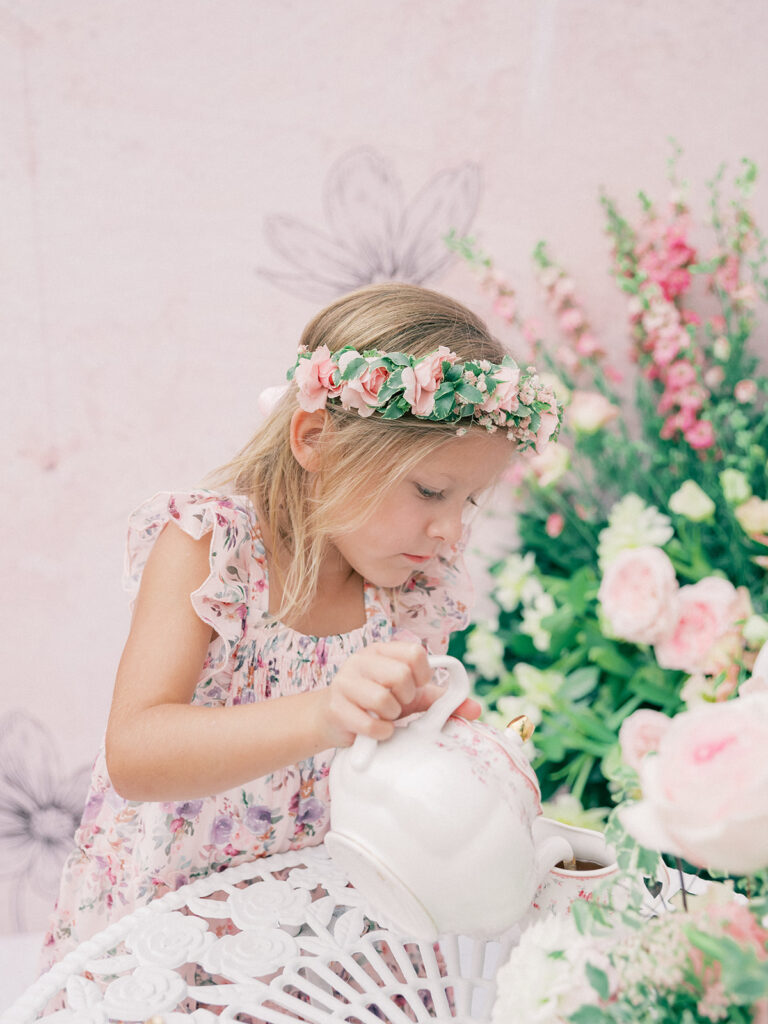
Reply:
x=428, y=722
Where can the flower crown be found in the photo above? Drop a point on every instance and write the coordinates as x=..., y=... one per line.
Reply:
x=436, y=387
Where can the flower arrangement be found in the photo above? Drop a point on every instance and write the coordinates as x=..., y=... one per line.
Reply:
x=704, y=795
x=639, y=578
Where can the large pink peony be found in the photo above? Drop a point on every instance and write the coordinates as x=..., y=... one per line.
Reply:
x=704, y=615
x=705, y=793
x=638, y=590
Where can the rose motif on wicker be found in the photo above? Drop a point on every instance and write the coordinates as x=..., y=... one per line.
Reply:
x=269, y=903
x=309, y=876
x=169, y=941
x=148, y=990
x=255, y=953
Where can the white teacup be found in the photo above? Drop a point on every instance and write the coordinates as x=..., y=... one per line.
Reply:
x=596, y=876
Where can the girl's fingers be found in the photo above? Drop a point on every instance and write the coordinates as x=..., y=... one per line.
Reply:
x=372, y=697
x=363, y=723
x=469, y=709
x=411, y=654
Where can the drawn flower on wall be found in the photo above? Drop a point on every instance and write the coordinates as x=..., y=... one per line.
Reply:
x=40, y=808
x=374, y=235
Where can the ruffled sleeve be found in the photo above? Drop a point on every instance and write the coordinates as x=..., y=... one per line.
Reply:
x=222, y=600
x=437, y=602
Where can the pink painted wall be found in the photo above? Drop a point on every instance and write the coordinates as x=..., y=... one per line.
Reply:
x=146, y=147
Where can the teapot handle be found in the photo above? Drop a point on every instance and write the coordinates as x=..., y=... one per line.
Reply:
x=428, y=722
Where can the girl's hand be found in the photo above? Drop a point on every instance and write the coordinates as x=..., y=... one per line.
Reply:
x=375, y=687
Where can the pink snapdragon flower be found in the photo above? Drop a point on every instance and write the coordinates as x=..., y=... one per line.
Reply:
x=571, y=319
x=505, y=306
x=700, y=435
x=745, y=391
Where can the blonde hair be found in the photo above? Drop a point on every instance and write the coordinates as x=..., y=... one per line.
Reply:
x=360, y=458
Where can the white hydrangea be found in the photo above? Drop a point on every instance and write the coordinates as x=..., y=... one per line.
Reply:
x=632, y=524
x=514, y=574
x=537, y=987
x=485, y=650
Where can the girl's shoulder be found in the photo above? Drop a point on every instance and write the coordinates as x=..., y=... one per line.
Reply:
x=234, y=557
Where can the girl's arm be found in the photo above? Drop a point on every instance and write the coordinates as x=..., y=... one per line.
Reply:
x=160, y=747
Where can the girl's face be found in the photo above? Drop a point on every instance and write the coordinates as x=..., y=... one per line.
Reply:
x=425, y=511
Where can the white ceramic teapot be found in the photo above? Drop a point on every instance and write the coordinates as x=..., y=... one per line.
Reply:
x=434, y=826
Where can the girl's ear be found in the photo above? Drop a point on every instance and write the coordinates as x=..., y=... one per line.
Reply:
x=306, y=428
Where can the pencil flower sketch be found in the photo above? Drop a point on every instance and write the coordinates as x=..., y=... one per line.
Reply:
x=373, y=233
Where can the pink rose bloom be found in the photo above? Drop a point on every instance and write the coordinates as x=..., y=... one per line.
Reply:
x=714, y=377
x=505, y=394
x=701, y=615
x=314, y=379
x=705, y=793
x=589, y=411
x=571, y=319
x=700, y=435
x=554, y=525
x=362, y=392
x=505, y=306
x=637, y=591
x=745, y=391
x=423, y=380
x=640, y=734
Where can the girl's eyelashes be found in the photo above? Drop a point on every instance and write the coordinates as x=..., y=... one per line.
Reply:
x=427, y=492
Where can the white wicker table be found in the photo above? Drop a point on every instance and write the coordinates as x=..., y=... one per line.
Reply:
x=276, y=940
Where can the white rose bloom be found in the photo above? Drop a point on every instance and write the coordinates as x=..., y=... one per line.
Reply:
x=485, y=650
x=516, y=571
x=632, y=524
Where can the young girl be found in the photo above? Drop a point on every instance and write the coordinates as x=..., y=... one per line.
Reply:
x=272, y=626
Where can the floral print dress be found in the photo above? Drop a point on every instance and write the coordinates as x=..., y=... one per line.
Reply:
x=129, y=852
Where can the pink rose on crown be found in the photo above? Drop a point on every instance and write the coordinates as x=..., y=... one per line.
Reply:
x=504, y=395
x=314, y=377
x=703, y=616
x=637, y=591
x=422, y=381
x=705, y=793
x=361, y=393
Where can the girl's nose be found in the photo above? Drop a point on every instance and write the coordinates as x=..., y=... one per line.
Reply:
x=446, y=527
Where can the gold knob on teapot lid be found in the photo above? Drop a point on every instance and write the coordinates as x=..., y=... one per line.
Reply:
x=523, y=726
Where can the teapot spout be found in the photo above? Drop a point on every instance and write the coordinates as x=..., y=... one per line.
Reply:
x=550, y=852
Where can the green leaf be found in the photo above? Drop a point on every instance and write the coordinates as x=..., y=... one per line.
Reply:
x=598, y=979
x=469, y=392
x=608, y=658
x=581, y=682
x=353, y=368
x=395, y=410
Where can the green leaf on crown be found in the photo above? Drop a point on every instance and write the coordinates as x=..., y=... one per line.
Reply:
x=353, y=368
x=469, y=392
